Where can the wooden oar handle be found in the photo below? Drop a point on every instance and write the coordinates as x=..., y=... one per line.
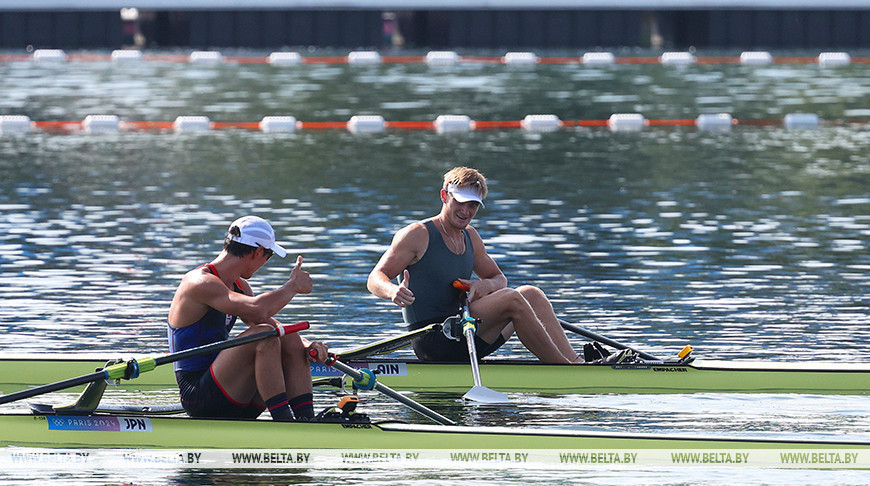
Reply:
x=461, y=286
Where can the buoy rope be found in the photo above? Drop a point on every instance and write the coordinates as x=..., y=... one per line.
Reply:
x=73, y=126
x=173, y=58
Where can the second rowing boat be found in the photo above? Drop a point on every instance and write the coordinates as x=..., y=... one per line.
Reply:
x=22, y=371
x=263, y=443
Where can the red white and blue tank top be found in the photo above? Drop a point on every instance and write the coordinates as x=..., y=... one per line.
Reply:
x=213, y=327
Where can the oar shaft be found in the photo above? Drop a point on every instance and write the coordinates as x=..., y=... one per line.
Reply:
x=390, y=344
x=148, y=364
x=478, y=393
x=603, y=339
x=230, y=343
x=469, y=333
x=53, y=387
x=579, y=330
x=357, y=375
x=472, y=355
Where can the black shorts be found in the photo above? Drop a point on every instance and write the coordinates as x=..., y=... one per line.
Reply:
x=436, y=347
x=201, y=396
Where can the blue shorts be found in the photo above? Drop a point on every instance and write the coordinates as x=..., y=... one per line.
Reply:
x=436, y=347
x=202, y=396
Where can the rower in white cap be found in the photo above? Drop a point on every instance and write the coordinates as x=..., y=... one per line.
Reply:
x=430, y=255
x=243, y=381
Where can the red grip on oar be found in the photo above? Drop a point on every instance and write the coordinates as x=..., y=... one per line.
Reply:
x=329, y=359
x=461, y=286
x=291, y=328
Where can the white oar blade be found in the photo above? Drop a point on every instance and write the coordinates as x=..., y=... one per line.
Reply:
x=485, y=395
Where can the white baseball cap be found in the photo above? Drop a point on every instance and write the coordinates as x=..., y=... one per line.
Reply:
x=465, y=193
x=255, y=231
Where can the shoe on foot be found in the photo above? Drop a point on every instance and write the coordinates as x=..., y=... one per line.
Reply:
x=344, y=412
x=603, y=352
x=590, y=353
x=624, y=356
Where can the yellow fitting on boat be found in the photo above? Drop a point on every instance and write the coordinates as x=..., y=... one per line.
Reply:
x=685, y=351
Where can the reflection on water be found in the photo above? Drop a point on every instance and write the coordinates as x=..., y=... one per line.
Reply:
x=748, y=244
x=770, y=416
x=737, y=247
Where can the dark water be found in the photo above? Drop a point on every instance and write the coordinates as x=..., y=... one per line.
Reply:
x=750, y=244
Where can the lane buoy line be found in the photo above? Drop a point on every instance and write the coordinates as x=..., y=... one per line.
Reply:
x=618, y=122
x=436, y=58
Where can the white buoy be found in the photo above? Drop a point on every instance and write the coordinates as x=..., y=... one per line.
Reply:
x=285, y=58
x=714, y=122
x=442, y=58
x=192, y=124
x=834, y=59
x=453, y=124
x=124, y=55
x=755, y=57
x=598, y=58
x=626, y=122
x=278, y=124
x=101, y=123
x=677, y=58
x=14, y=124
x=801, y=121
x=364, y=57
x=541, y=123
x=520, y=58
x=49, y=55
x=366, y=124
x=206, y=57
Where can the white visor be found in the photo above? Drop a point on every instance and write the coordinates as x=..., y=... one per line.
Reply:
x=465, y=193
x=255, y=231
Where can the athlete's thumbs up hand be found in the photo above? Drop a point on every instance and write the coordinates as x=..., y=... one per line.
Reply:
x=403, y=295
x=300, y=279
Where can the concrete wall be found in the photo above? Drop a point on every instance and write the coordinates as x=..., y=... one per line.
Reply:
x=444, y=28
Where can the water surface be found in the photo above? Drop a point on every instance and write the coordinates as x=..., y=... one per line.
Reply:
x=750, y=244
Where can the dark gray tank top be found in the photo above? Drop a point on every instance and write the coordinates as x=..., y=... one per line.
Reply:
x=432, y=280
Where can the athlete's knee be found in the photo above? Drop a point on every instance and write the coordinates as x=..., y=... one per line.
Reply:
x=257, y=328
x=532, y=294
x=269, y=346
x=514, y=301
x=264, y=345
x=291, y=344
x=529, y=291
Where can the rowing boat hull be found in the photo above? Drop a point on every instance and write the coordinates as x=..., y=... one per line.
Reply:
x=18, y=372
x=712, y=377
x=228, y=443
